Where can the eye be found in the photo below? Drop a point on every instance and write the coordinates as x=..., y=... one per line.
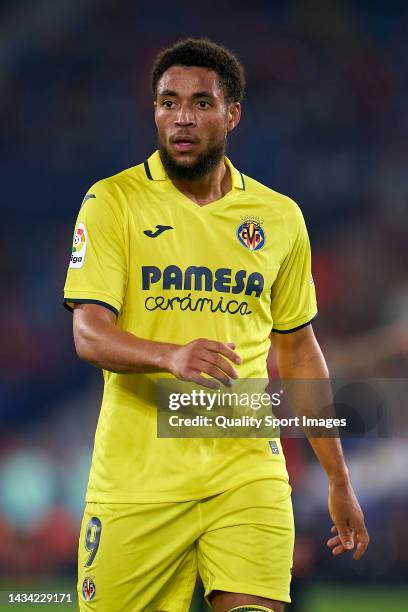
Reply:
x=204, y=104
x=168, y=103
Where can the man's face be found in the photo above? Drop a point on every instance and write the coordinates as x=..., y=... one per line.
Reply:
x=192, y=119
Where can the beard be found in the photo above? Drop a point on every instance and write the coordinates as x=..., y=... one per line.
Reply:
x=203, y=165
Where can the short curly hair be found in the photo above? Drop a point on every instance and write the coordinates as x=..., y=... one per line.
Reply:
x=205, y=54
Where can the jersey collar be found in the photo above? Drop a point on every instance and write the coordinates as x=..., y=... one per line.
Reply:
x=155, y=171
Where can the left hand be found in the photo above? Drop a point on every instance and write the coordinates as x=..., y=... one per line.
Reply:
x=349, y=528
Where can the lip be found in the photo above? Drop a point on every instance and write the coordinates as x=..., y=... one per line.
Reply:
x=184, y=145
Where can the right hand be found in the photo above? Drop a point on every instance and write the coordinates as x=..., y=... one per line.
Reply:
x=190, y=361
x=349, y=530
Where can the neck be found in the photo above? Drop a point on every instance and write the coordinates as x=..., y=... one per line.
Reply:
x=211, y=187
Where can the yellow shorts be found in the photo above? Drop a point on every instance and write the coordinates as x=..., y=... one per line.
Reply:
x=145, y=557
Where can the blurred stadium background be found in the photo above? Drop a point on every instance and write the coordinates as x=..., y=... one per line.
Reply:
x=325, y=121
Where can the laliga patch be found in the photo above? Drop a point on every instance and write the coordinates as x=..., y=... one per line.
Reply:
x=78, y=247
x=88, y=588
x=250, y=233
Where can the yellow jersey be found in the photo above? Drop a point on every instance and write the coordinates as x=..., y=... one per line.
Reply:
x=174, y=271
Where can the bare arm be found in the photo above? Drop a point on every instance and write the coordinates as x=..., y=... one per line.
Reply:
x=100, y=342
x=299, y=357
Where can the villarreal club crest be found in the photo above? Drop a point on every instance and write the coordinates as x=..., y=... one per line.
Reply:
x=88, y=589
x=250, y=233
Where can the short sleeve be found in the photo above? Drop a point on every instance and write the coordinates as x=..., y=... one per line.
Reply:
x=293, y=298
x=98, y=268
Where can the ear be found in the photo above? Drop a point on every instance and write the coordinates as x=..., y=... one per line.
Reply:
x=155, y=111
x=234, y=116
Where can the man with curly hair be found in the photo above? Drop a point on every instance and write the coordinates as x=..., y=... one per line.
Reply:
x=183, y=267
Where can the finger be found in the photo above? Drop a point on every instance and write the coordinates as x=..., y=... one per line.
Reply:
x=338, y=550
x=221, y=363
x=223, y=349
x=345, y=534
x=360, y=550
x=205, y=382
x=363, y=540
x=336, y=545
x=334, y=529
x=333, y=542
x=208, y=368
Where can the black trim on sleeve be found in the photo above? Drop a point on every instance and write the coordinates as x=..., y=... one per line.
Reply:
x=88, y=196
x=147, y=170
x=78, y=301
x=289, y=331
x=242, y=179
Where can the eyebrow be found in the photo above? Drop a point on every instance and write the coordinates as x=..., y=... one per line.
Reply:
x=197, y=94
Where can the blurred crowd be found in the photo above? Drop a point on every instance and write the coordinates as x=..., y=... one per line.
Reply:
x=324, y=121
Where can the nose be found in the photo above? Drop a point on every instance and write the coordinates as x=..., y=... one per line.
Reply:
x=185, y=117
